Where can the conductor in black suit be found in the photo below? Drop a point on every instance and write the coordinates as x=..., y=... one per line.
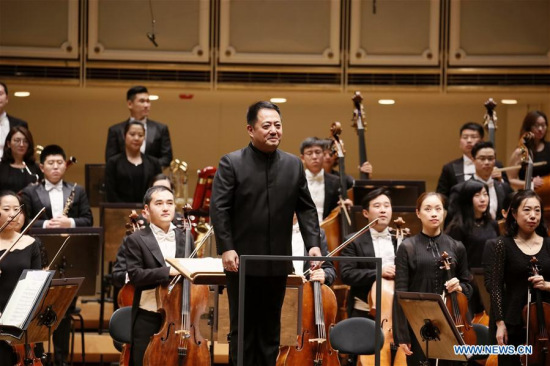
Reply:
x=157, y=137
x=146, y=252
x=255, y=192
x=7, y=121
x=54, y=193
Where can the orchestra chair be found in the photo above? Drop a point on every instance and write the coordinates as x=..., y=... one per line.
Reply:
x=483, y=339
x=120, y=326
x=75, y=315
x=355, y=336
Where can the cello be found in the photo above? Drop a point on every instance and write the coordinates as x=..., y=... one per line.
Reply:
x=537, y=319
x=457, y=304
x=359, y=124
x=181, y=304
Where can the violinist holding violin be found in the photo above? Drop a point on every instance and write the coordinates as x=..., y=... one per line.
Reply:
x=146, y=251
x=526, y=237
x=418, y=268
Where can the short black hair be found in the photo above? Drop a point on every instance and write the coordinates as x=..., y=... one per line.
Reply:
x=474, y=127
x=252, y=113
x=310, y=142
x=482, y=145
x=131, y=93
x=149, y=194
x=131, y=123
x=52, y=150
x=374, y=194
x=5, y=87
x=162, y=176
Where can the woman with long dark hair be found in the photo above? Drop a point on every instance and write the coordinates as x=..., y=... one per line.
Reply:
x=509, y=268
x=18, y=168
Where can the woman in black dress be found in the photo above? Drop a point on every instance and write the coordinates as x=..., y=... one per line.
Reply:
x=128, y=174
x=418, y=268
x=18, y=168
x=25, y=255
x=510, y=277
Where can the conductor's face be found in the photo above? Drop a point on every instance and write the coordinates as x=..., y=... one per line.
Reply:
x=267, y=131
x=161, y=209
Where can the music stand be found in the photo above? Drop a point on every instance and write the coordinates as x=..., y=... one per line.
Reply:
x=432, y=324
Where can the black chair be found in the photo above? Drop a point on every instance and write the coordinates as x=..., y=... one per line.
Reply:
x=75, y=315
x=355, y=336
x=120, y=325
x=483, y=339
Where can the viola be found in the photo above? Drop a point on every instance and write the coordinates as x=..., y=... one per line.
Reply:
x=457, y=304
x=359, y=124
x=537, y=319
x=179, y=341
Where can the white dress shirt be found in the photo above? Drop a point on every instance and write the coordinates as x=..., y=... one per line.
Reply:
x=493, y=199
x=55, y=191
x=316, y=186
x=4, y=131
x=469, y=167
x=298, y=249
x=167, y=245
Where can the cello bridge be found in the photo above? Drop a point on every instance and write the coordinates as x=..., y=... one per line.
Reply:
x=186, y=333
x=317, y=340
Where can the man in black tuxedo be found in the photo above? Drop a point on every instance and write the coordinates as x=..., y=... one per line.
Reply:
x=157, y=137
x=146, y=252
x=54, y=194
x=377, y=242
x=6, y=121
x=255, y=192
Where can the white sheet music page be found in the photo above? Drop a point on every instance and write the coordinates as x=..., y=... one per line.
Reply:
x=201, y=265
x=23, y=298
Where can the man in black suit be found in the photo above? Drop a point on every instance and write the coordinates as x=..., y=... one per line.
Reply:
x=463, y=168
x=146, y=252
x=66, y=203
x=255, y=192
x=377, y=242
x=157, y=137
x=6, y=121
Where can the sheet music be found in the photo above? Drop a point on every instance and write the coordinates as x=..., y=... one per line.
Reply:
x=23, y=298
x=201, y=265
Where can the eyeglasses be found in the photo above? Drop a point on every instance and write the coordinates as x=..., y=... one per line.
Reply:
x=489, y=159
x=20, y=141
x=537, y=126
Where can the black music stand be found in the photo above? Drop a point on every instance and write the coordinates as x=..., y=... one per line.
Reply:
x=432, y=324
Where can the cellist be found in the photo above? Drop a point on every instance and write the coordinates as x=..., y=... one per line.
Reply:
x=526, y=237
x=146, y=251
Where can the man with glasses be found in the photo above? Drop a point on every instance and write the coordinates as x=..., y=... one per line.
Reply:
x=6, y=121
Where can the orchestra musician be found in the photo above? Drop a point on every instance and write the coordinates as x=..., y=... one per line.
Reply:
x=418, y=269
x=25, y=255
x=7, y=122
x=18, y=167
x=378, y=242
x=146, y=251
x=507, y=270
x=54, y=193
x=157, y=136
x=127, y=175
x=255, y=193
x=330, y=164
x=537, y=123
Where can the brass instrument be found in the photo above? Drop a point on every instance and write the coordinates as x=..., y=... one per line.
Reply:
x=178, y=176
x=69, y=202
x=203, y=230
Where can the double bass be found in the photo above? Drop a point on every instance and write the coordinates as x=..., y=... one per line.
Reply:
x=359, y=124
x=179, y=341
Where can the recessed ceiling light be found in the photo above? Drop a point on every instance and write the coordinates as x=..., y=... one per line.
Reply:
x=386, y=101
x=153, y=97
x=509, y=101
x=278, y=100
x=22, y=94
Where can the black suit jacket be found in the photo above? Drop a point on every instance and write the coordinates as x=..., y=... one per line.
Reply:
x=328, y=266
x=332, y=193
x=254, y=197
x=35, y=197
x=14, y=121
x=121, y=185
x=158, y=143
x=360, y=276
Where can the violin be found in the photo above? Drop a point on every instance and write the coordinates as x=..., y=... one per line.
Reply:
x=537, y=319
x=179, y=341
x=457, y=304
x=390, y=354
x=359, y=125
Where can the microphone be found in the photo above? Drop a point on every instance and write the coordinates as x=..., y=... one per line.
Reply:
x=151, y=37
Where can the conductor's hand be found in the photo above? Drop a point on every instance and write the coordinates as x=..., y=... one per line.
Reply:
x=315, y=252
x=406, y=347
x=388, y=271
x=230, y=261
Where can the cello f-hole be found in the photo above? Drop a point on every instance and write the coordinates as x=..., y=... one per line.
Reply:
x=170, y=325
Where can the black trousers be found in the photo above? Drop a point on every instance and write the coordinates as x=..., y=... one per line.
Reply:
x=264, y=298
x=145, y=326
